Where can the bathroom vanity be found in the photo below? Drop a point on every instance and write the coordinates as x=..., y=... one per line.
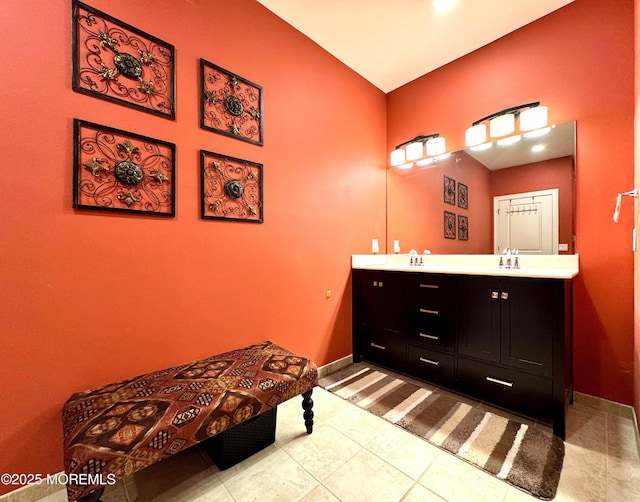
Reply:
x=503, y=336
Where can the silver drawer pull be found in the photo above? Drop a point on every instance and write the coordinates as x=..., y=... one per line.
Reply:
x=377, y=346
x=494, y=294
x=429, y=361
x=504, y=295
x=429, y=286
x=427, y=311
x=430, y=337
x=500, y=382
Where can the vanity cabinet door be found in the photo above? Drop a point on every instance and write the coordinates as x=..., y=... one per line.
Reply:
x=531, y=312
x=379, y=316
x=479, y=317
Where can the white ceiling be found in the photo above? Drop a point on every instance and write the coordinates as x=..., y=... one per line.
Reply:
x=392, y=42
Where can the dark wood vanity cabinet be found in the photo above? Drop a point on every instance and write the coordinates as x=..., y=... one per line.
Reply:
x=504, y=340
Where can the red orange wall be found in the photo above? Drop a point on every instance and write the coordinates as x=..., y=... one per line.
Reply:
x=89, y=298
x=552, y=173
x=636, y=303
x=579, y=62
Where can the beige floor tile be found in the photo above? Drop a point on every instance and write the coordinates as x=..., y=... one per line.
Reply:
x=404, y=451
x=59, y=496
x=583, y=476
x=367, y=478
x=357, y=424
x=455, y=480
x=115, y=493
x=621, y=439
x=419, y=493
x=183, y=477
x=269, y=475
x=586, y=421
x=623, y=480
x=319, y=494
x=322, y=452
x=516, y=495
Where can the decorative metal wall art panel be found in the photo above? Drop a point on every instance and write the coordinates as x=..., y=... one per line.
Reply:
x=117, y=62
x=231, y=188
x=121, y=171
x=463, y=228
x=449, y=190
x=229, y=104
x=463, y=196
x=449, y=225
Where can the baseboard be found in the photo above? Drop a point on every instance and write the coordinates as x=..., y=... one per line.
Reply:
x=327, y=369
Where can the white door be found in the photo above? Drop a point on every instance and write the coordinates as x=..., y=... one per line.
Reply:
x=527, y=222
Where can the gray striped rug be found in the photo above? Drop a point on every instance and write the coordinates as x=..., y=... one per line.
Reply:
x=523, y=456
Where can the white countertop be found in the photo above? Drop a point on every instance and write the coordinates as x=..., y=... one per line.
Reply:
x=537, y=266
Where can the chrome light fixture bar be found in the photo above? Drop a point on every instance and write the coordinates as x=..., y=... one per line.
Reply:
x=414, y=149
x=531, y=116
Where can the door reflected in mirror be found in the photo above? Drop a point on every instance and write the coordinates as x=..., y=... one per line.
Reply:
x=496, y=194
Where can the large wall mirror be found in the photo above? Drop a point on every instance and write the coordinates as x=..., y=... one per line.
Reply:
x=519, y=195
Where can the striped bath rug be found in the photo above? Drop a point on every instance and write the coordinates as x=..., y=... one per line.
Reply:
x=523, y=456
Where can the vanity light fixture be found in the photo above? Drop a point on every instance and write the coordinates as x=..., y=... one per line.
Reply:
x=414, y=149
x=531, y=116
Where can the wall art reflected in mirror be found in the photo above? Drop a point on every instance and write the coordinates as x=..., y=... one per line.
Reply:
x=522, y=196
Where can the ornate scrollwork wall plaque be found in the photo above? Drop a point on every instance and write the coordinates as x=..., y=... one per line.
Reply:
x=231, y=188
x=229, y=104
x=121, y=171
x=449, y=190
x=463, y=228
x=117, y=62
x=449, y=225
x=463, y=196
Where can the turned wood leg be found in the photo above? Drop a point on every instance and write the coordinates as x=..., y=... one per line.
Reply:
x=307, y=406
x=94, y=496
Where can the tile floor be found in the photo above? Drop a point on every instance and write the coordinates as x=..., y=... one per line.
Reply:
x=355, y=456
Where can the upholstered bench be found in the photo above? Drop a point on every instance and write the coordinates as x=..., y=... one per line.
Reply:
x=113, y=431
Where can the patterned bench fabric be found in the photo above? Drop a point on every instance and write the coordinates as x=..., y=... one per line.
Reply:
x=113, y=431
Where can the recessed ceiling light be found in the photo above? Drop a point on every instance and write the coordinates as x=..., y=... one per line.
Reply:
x=444, y=4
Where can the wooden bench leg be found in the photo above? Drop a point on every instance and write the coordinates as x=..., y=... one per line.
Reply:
x=307, y=406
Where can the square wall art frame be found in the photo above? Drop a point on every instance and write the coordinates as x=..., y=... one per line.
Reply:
x=463, y=228
x=231, y=188
x=117, y=62
x=115, y=170
x=230, y=104
x=449, y=225
x=449, y=190
x=463, y=196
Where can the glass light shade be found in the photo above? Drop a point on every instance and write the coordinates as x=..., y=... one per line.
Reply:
x=502, y=125
x=424, y=162
x=436, y=146
x=397, y=157
x=510, y=140
x=415, y=150
x=476, y=135
x=533, y=118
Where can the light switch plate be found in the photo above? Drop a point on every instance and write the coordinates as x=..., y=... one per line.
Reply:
x=563, y=247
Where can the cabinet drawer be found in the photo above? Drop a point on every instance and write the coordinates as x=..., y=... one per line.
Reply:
x=430, y=365
x=386, y=349
x=523, y=393
x=432, y=328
